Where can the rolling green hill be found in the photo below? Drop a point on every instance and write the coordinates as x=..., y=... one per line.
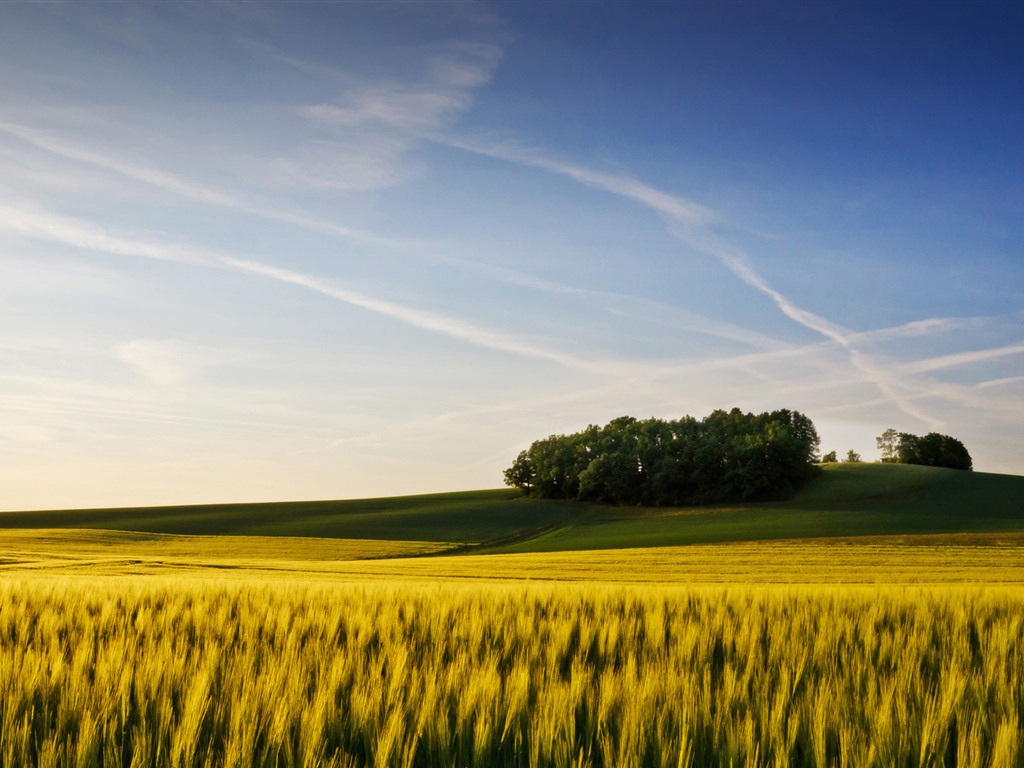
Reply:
x=844, y=500
x=469, y=517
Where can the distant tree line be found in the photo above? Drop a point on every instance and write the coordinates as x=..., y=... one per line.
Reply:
x=852, y=457
x=931, y=450
x=726, y=456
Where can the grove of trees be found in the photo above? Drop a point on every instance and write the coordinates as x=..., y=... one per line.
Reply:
x=726, y=456
x=931, y=450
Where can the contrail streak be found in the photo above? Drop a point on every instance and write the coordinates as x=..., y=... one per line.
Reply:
x=176, y=185
x=962, y=358
x=80, y=234
x=689, y=222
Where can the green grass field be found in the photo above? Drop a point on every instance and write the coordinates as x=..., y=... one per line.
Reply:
x=469, y=517
x=844, y=500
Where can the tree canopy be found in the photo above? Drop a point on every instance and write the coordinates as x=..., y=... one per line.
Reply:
x=726, y=456
x=932, y=450
x=887, y=443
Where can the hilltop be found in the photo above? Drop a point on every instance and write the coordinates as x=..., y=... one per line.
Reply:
x=843, y=500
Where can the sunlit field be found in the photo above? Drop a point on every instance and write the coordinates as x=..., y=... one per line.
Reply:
x=932, y=559
x=131, y=553
x=555, y=638
x=158, y=651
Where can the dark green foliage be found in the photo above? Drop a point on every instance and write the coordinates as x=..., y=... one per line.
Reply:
x=829, y=458
x=727, y=456
x=887, y=443
x=933, y=450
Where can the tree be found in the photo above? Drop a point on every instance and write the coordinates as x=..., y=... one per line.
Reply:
x=612, y=472
x=852, y=457
x=520, y=474
x=887, y=443
x=906, y=448
x=829, y=458
x=933, y=450
x=729, y=455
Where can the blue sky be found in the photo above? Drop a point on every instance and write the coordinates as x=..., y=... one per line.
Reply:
x=258, y=251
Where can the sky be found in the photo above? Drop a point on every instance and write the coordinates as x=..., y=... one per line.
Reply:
x=279, y=251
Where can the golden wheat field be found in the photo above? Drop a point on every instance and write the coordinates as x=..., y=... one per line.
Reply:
x=459, y=661
x=923, y=559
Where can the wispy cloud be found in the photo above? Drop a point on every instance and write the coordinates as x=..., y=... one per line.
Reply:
x=639, y=375
x=168, y=182
x=426, y=320
x=182, y=187
x=355, y=139
x=704, y=241
x=673, y=206
x=1005, y=381
x=79, y=234
x=629, y=305
x=962, y=358
x=687, y=220
x=691, y=223
x=161, y=361
x=43, y=225
x=371, y=122
x=406, y=109
x=927, y=327
x=116, y=409
x=190, y=190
